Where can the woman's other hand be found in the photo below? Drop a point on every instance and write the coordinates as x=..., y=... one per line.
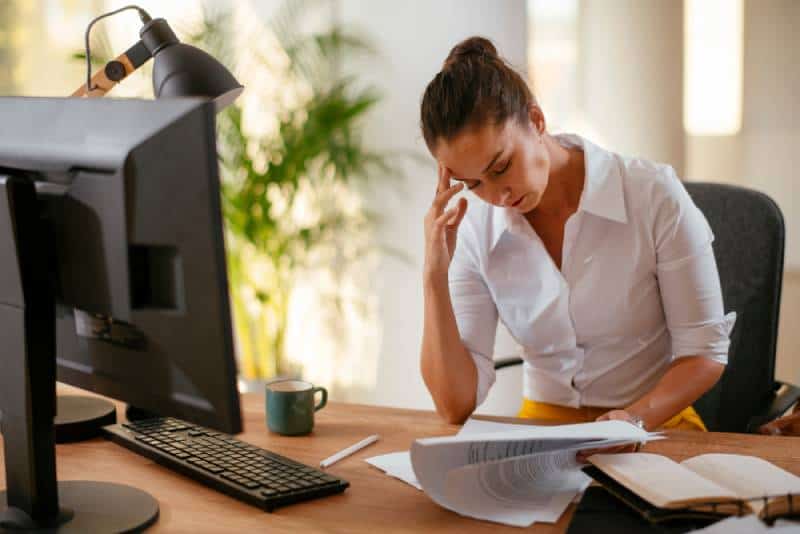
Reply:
x=441, y=226
x=788, y=425
x=613, y=415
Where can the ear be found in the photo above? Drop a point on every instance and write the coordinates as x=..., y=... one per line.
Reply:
x=537, y=118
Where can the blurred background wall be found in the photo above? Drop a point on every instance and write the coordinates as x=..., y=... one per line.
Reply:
x=708, y=86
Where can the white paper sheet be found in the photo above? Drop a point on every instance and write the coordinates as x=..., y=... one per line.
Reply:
x=506, y=477
x=397, y=465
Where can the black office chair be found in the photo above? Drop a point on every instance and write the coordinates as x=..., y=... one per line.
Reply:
x=749, y=241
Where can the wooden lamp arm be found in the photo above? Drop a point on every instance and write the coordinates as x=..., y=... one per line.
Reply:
x=114, y=71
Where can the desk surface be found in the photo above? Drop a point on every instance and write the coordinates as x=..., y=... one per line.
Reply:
x=374, y=502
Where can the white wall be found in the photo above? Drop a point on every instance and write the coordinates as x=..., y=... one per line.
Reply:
x=413, y=38
x=771, y=111
x=631, y=77
x=763, y=155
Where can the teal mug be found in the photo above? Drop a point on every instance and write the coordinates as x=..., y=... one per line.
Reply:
x=290, y=406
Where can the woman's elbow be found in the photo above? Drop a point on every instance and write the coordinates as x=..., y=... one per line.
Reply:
x=453, y=409
x=454, y=415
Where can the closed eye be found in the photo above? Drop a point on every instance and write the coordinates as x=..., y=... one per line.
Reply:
x=504, y=169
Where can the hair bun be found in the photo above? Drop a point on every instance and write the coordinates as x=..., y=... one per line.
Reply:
x=472, y=47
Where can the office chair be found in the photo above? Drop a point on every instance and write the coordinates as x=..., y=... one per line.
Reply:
x=749, y=241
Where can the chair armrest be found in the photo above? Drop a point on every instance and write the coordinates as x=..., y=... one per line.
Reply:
x=782, y=402
x=507, y=362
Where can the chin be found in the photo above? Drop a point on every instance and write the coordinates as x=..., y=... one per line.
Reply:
x=528, y=204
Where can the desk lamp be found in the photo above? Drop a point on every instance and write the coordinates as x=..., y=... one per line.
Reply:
x=179, y=70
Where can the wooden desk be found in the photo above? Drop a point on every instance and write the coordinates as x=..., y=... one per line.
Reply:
x=374, y=502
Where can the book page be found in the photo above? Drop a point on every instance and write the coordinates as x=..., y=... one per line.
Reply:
x=746, y=476
x=659, y=480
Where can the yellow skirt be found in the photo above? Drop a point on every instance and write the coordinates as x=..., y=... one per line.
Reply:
x=688, y=419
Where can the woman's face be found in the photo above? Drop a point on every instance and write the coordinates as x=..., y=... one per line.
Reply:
x=505, y=165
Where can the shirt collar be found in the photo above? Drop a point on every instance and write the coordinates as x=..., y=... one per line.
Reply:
x=602, y=194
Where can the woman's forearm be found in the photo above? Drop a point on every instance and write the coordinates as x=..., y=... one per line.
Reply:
x=447, y=366
x=684, y=382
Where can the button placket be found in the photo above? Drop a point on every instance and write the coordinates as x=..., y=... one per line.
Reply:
x=571, y=230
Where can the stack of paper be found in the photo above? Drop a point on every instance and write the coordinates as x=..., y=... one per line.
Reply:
x=398, y=464
x=511, y=474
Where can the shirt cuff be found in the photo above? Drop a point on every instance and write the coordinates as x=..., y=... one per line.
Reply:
x=710, y=340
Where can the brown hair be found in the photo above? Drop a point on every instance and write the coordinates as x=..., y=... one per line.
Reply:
x=474, y=86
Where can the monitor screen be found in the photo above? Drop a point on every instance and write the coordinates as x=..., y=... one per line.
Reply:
x=130, y=196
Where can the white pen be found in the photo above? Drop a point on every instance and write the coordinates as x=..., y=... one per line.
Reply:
x=348, y=451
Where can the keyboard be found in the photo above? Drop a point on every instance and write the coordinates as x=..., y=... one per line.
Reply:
x=222, y=462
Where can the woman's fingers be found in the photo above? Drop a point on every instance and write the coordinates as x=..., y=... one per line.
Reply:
x=788, y=425
x=461, y=210
x=442, y=220
x=443, y=197
x=615, y=415
x=444, y=179
x=452, y=217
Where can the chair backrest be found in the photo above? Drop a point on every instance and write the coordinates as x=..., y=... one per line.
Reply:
x=748, y=246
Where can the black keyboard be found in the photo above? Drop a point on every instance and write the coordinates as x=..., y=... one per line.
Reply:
x=220, y=461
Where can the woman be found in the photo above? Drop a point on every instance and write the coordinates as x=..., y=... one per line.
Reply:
x=600, y=266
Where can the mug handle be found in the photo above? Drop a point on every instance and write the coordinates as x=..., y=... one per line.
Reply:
x=324, y=400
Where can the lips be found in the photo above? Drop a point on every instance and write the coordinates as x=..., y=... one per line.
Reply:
x=515, y=204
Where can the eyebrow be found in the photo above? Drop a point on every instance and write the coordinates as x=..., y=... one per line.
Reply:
x=484, y=171
x=489, y=166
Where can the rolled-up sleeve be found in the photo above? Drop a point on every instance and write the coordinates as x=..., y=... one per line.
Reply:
x=688, y=277
x=475, y=312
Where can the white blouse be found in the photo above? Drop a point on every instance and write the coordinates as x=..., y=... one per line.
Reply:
x=638, y=286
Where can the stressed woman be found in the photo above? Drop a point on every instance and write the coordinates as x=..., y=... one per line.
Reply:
x=600, y=266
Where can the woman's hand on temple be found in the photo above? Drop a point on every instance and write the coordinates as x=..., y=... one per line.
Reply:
x=441, y=226
x=613, y=415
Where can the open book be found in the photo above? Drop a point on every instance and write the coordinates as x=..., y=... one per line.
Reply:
x=517, y=476
x=727, y=479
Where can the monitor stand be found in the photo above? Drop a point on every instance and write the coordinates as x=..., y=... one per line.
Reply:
x=82, y=417
x=33, y=499
x=87, y=506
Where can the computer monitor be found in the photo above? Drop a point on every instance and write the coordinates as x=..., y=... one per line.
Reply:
x=112, y=271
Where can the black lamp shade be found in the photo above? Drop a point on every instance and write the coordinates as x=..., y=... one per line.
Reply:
x=183, y=70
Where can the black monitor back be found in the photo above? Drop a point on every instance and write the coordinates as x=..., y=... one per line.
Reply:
x=130, y=191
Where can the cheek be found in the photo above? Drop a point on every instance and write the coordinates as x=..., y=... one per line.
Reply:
x=540, y=164
x=538, y=169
